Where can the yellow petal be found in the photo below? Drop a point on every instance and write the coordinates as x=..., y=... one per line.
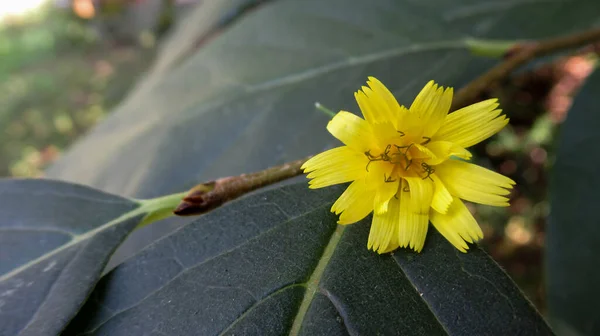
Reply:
x=409, y=123
x=389, y=105
x=457, y=225
x=352, y=130
x=377, y=173
x=474, y=183
x=421, y=194
x=472, y=124
x=377, y=103
x=338, y=165
x=443, y=150
x=384, y=132
x=379, y=179
x=352, y=203
x=405, y=223
x=441, y=196
x=384, y=194
x=422, y=153
x=432, y=104
x=383, y=236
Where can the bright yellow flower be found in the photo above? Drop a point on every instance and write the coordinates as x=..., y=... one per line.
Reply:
x=405, y=166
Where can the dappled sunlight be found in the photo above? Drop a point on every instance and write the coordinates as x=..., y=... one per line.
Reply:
x=18, y=8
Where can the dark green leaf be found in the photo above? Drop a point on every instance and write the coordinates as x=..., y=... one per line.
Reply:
x=573, y=233
x=55, y=240
x=245, y=100
x=276, y=262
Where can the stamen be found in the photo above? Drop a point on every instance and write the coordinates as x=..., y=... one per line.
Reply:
x=403, y=155
x=404, y=147
x=372, y=158
x=387, y=149
x=427, y=140
x=388, y=179
x=428, y=169
x=408, y=165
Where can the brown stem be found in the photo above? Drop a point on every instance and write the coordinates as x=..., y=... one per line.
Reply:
x=207, y=196
x=520, y=56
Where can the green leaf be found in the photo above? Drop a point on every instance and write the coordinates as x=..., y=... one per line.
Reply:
x=573, y=231
x=55, y=239
x=276, y=262
x=245, y=100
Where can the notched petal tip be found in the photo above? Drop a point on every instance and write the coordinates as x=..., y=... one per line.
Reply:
x=462, y=249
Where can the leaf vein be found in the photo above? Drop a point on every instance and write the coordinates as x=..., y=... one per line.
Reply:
x=229, y=251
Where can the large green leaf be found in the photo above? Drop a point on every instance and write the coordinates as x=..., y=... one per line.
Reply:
x=573, y=233
x=55, y=239
x=276, y=262
x=244, y=101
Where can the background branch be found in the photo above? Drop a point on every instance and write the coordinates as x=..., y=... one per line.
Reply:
x=518, y=56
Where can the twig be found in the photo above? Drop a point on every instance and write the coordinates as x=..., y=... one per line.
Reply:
x=207, y=196
x=520, y=56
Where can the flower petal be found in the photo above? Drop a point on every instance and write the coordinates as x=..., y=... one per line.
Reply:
x=352, y=130
x=379, y=179
x=383, y=196
x=377, y=103
x=472, y=124
x=383, y=98
x=432, y=104
x=457, y=225
x=474, y=183
x=377, y=173
x=383, y=236
x=337, y=165
x=443, y=150
x=421, y=194
x=352, y=203
x=405, y=224
x=408, y=122
x=441, y=196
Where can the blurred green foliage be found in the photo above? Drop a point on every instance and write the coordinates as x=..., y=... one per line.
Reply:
x=58, y=78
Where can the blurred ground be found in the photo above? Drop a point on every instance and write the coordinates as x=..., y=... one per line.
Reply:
x=61, y=73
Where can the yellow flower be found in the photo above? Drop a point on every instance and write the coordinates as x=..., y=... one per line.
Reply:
x=406, y=166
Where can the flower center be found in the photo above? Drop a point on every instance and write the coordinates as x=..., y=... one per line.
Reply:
x=408, y=158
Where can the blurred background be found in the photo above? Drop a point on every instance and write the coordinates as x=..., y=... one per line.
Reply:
x=65, y=64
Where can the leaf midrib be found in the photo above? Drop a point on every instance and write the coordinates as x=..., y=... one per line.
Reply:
x=250, y=90
x=312, y=285
x=76, y=240
x=212, y=258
